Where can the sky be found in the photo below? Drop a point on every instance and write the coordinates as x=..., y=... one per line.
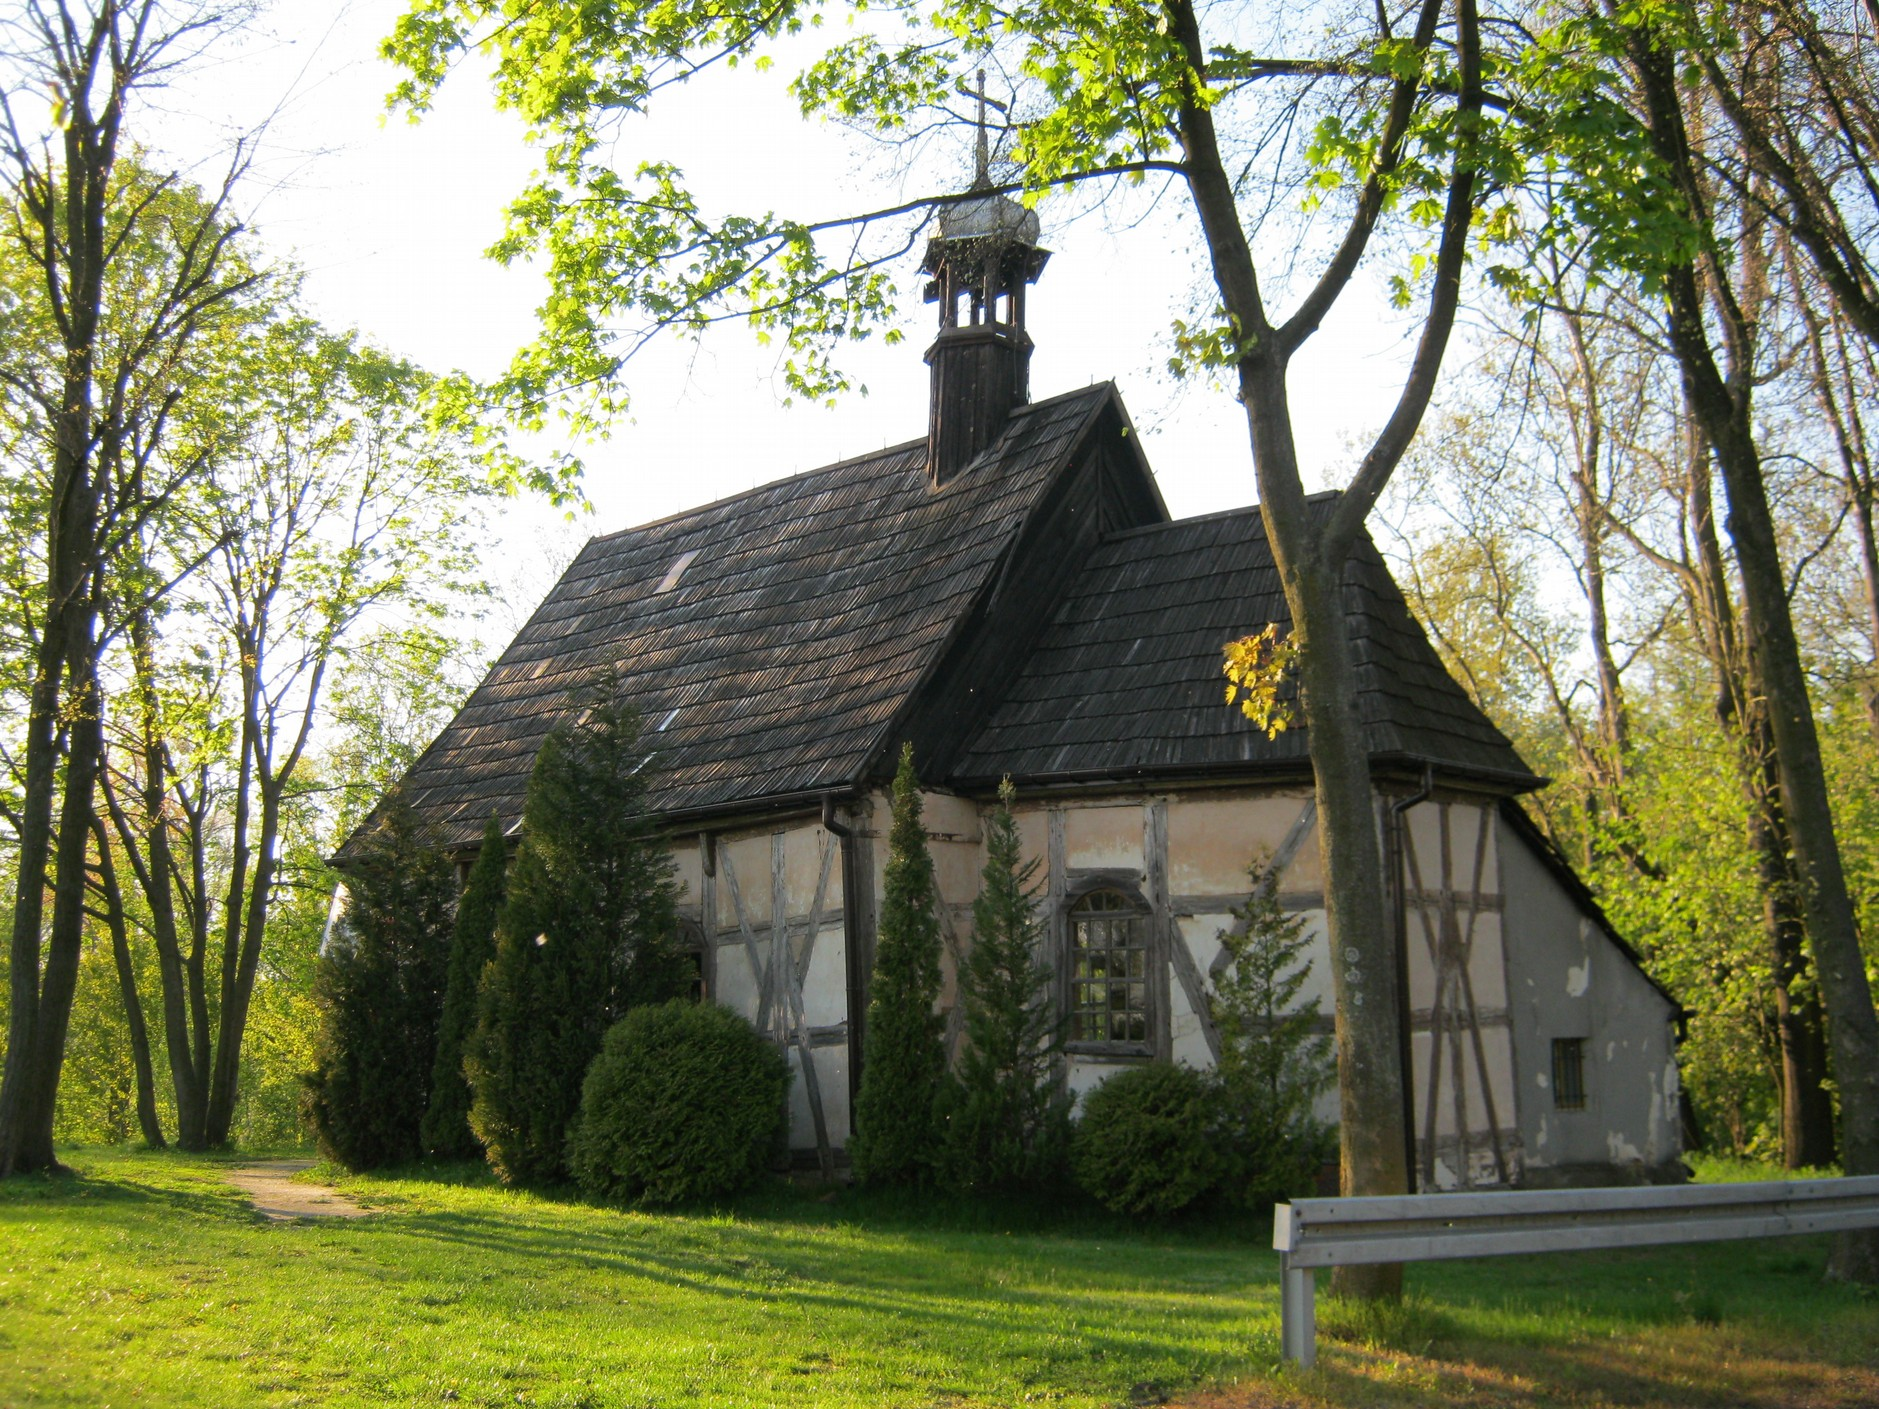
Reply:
x=389, y=220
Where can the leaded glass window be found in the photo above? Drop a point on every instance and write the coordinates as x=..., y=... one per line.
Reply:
x=1108, y=969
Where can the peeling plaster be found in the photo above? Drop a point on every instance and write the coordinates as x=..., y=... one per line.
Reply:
x=1578, y=978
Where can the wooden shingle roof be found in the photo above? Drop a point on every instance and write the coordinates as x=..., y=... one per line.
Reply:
x=1126, y=679
x=769, y=638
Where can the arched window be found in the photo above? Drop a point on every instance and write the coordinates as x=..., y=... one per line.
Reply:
x=1109, y=966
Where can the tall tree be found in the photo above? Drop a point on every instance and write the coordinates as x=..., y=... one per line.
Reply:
x=76, y=214
x=1389, y=113
x=588, y=931
x=1711, y=257
x=331, y=500
x=1008, y=1122
x=896, y=1137
x=380, y=991
x=447, y=1130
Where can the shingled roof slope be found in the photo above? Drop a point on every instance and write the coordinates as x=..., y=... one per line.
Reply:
x=1126, y=679
x=810, y=611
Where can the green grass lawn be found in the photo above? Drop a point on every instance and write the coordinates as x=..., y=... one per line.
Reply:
x=145, y=1279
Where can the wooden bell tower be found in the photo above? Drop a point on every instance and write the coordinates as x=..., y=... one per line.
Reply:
x=983, y=257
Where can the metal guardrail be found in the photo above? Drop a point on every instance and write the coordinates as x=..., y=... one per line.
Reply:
x=1314, y=1233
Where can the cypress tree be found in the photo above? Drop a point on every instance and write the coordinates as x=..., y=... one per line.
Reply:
x=904, y=1067
x=1009, y=1123
x=446, y=1130
x=1274, y=1062
x=379, y=990
x=587, y=931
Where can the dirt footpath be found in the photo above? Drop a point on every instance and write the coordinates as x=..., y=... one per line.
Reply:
x=271, y=1188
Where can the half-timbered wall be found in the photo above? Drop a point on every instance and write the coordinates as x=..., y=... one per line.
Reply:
x=1461, y=1044
x=770, y=902
x=1500, y=961
x=1183, y=859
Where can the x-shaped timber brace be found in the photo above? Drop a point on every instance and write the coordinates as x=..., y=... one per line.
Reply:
x=1450, y=944
x=780, y=1009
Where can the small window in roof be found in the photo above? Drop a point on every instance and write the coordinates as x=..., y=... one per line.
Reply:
x=676, y=571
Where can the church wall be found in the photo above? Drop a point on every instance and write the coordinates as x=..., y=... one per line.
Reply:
x=1467, y=1131
x=760, y=895
x=1500, y=960
x=1569, y=982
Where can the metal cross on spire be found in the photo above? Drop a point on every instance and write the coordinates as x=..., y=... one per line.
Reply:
x=982, y=165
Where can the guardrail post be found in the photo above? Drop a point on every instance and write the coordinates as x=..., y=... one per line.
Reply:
x=1298, y=1316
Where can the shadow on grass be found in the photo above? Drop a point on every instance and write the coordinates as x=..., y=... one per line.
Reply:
x=1065, y=1212
x=133, y=1179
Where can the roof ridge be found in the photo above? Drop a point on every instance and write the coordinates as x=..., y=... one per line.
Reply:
x=1253, y=509
x=848, y=462
x=1215, y=517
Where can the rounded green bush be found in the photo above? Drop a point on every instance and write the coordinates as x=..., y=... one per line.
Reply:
x=684, y=1102
x=1146, y=1143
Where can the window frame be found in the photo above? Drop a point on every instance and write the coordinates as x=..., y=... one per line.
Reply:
x=1137, y=908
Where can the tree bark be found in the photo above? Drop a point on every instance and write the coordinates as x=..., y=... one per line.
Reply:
x=1806, y=1106
x=63, y=685
x=113, y=894
x=1722, y=408
x=1311, y=559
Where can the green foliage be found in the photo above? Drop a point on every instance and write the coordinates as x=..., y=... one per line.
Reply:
x=1274, y=1063
x=1147, y=1141
x=97, y=1090
x=587, y=933
x=380, y=991
x=896, y=1137
x=1097, y=94
x=1007, y=1117
x=446, y=1131
x=686, y=1101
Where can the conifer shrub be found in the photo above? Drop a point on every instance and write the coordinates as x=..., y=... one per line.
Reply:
x=379, y=991
x=1274, y=1060
x=446, y=1130
x=588, y=932
x=903, y=1072
x=685, y=1102
x=1007, y=1117
x=1148, y=1140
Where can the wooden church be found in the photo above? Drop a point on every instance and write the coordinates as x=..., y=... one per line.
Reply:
x=1009, y=593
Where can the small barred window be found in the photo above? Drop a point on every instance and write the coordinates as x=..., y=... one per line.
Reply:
x=1108, y=969
x=1569, y=1073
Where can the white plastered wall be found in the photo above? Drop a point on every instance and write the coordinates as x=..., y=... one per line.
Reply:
x=1567, y=979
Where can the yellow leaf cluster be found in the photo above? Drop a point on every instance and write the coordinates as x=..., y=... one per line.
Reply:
x=1256, y=668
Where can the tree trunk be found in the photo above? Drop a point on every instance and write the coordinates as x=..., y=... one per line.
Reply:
x=1311, y=558
x=1806, y=1105
x=41, y=999
x=1722, y=408
x=1825, y=900
x=1807, y=1135
x=155, y=869
x=147, y=1120
x=1372, y=1154
x=18, y=1153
